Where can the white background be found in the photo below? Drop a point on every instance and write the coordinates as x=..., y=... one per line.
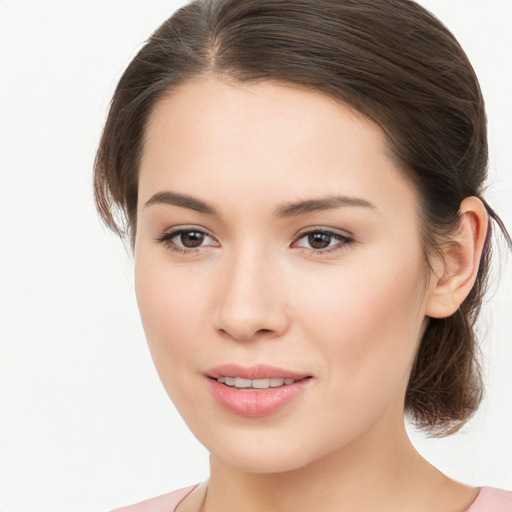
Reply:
x=84, y=423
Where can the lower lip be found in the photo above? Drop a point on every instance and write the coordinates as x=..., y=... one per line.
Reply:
x=256, y=403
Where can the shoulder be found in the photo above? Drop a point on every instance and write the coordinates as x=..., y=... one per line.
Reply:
x=165, y=503
x=490, y=499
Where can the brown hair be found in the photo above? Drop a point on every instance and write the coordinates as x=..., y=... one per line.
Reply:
x=391, y=60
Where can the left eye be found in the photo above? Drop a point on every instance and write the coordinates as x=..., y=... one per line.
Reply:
x=320, y=240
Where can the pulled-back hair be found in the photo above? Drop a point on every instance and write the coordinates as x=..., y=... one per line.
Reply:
x=392, y=61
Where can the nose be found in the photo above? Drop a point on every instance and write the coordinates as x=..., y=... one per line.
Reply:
x=251, y=301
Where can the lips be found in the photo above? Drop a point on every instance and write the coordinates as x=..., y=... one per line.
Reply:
x=240, y=383
x=255, y=391
x=260, y=371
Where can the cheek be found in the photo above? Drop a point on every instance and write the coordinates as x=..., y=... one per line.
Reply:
x=367, y=320
x=173, y=309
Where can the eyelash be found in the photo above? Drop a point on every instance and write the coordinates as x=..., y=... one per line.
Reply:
x=343, y=240
x=166, y=240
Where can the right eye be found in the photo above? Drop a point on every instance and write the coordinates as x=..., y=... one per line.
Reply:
x=187, y=240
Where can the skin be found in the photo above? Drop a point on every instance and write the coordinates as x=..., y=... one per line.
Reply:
x=255, y=291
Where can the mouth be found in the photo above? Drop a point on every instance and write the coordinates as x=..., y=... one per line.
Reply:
x=256, y=384
x=260, y=374
x=256, y=391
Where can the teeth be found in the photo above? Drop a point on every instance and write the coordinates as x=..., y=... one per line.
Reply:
x=242, y=383
x=261, y=383
x=238, y=382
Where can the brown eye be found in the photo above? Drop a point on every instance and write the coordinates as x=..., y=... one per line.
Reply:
x=187, y=240
x=319, y=240
x=323, y=241
x=191, y=239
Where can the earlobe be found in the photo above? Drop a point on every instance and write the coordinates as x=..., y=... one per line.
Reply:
x=457, y=267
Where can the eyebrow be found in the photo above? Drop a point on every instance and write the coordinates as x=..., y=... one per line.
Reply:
x=325, y=203
x=292, y=209
x=182, y=200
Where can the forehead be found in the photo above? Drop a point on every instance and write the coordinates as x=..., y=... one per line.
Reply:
x=256, y=112
x=265, y=141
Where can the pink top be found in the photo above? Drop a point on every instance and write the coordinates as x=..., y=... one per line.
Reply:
x=489, y=499
x=165, y=503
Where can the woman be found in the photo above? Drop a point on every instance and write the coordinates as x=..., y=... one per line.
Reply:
x=302, y=186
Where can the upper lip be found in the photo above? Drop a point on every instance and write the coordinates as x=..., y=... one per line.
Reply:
x=260, y=371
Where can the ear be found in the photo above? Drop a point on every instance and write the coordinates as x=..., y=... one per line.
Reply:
x=455, y=270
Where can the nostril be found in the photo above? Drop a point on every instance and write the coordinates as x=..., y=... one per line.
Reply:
x=245, y=336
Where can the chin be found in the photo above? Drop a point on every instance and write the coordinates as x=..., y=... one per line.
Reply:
x=266, y=462
x=263, y=454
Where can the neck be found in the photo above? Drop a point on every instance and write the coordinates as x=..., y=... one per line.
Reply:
x=369, y=474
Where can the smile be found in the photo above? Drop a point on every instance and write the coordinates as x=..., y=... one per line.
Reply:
x=241, y=383
x=254, y=395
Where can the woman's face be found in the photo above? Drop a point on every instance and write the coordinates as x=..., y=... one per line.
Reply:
x=275, y=231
